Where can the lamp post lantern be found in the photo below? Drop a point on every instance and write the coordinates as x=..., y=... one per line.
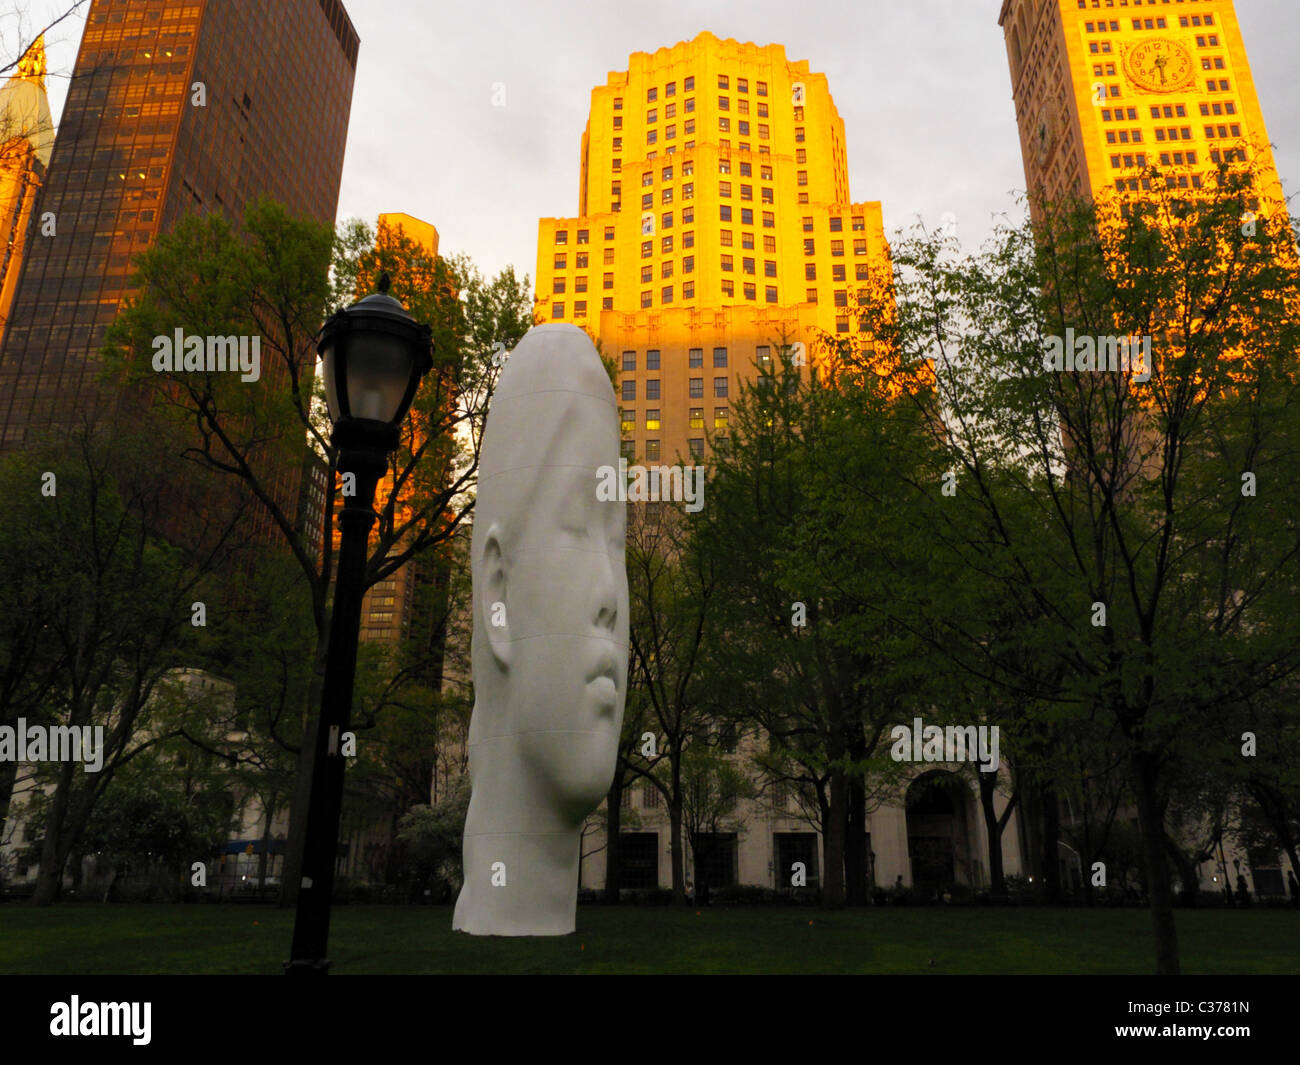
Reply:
x=375, y=354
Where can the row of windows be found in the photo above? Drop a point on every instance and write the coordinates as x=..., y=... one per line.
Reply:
x=688, y=85
x=695, y=359
x=562, y=235
x=1133, y=184
x=1196, y=20
x=652, y=451
x=695, y=389
x=627, y=418
x=670, y=110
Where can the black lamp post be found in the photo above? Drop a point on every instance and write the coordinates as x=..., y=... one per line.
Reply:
x=375, y=355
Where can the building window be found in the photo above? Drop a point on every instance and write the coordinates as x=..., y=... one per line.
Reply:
x=769, y=268
x=719, y=417
x=695, y=358
x=688, y=290
x=561, y=260
x=626, y=420
x=688, y=84
x=629, y=361
x=651, y=363
x=720, y=387
x=697, y=418
x=629, y=391
x=647, y=274
x=647, y=299
x=837, y=247
x=688, y=238
x=561, y=236
x=727, y=263
x=837, y=272
x=607, y=281
x=728, y=288
x=810, y=271
x=652, y=450
x=746, y=216
x=769, y=293
x=697, y=388
x=810, y=295
x=651, y=95
x=557, y=310
x=696, y=446
x=747, y=265
x=751, y=293
x=810, y=246
x=666, y=295
x=859, y=247
x=688, y=264
x=652, y=419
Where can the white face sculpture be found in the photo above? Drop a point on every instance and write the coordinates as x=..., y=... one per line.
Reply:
x=550, y=589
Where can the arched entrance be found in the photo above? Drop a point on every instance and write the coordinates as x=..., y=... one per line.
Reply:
x=937, y=841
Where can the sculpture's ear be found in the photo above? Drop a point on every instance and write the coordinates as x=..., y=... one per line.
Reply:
x=492, y=595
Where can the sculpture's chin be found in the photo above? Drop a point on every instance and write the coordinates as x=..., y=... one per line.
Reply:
x=577, y=766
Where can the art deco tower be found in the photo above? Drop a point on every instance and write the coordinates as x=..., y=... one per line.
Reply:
x=714, y=223
x=26, y=140
x=173, y=106
x=1104, y=88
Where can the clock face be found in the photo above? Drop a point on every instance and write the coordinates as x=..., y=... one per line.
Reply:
x=1160, y=65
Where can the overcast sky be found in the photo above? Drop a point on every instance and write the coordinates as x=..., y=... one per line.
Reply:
x=922, y=86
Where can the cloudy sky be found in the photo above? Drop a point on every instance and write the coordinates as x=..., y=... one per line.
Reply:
x=922, y=86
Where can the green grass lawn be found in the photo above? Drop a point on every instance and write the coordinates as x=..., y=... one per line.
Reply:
x=89, y=938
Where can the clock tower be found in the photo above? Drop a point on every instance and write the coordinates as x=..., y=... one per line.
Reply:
x=1105, y=90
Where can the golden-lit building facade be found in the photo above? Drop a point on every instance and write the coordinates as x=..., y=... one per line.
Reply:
x=1105, y=88
x=714, y=225
x=388, y=606
x=26, y=141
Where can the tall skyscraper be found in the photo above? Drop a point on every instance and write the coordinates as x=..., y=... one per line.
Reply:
x=173, y=107
x=26, y=140
x=1104, y=88
x=714, y=225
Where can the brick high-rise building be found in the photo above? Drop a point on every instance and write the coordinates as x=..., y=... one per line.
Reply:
x=26, y=140
x=714, y=225
x=1104, y=88
x=174, y=106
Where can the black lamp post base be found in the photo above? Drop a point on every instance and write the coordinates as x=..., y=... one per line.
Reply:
x=305, y=967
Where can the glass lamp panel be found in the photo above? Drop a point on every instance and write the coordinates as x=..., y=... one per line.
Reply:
x=378, y=374
x=331, y=387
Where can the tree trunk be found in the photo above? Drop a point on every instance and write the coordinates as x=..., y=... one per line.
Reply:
x=268, y=813
x=8, y=777
x=675, y=834
x=997, y=876
x=857, y=892
x=833, y=880
x=1153, y=851
x=49, y=879
x=613, y=822
x=1051, y=870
